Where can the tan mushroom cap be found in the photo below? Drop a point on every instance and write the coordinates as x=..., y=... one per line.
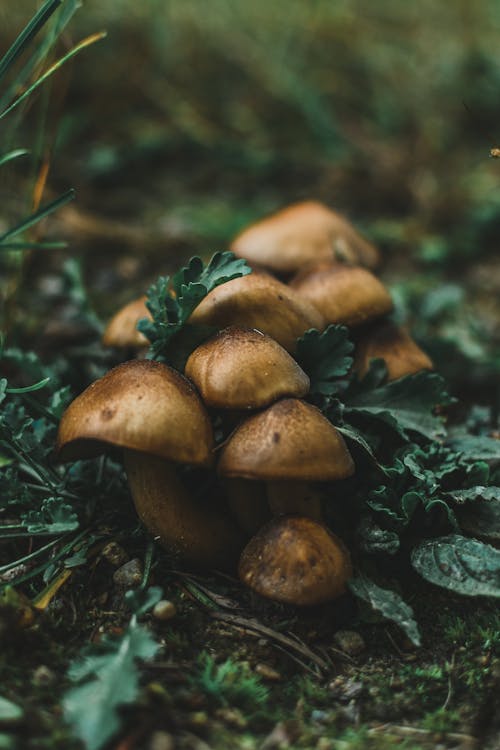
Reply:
x=343, y=294
x=143, y=406
x=395, y=346
x=289, y=440
x=121, y=330
x=257, y=300
x=296, y=560
x=241, y=368
x=301, y=234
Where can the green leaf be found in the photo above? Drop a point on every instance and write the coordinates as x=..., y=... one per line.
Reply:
x=481, y=514
x=29, y=388
x=388, y=603
x=53, y=517
x=11, y=155
x=374, y=539
x=110, y=680
x=476, y=447
x=475, y=493
x=171, y=303
x=326, y=358
x=142, y=600
x=406, y=404
x=465, y=566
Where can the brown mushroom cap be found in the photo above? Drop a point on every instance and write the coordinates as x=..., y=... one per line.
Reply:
x=301, y=234
x=242, y=368
x=257, y=300
x=289, y=440
x=395, y=346
x=296, y=560
x=121, y=330
x=141, y=405
x=343, y=294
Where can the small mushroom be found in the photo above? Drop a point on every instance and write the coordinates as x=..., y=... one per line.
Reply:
x=287, y=445
x=387, y=341
x=121, y=331
x=301, y=234
x=259, y=301
x=343, y=294
x=241, y=368
x=155, y=415
x=296, y=560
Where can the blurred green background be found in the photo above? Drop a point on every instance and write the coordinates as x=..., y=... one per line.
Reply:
x=193, y=118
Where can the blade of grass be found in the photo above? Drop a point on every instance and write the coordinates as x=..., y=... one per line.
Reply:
x=29, y=388
x=13, y=155
x=53, y=68
x=33, y=245
x=38, y=215
x=28, y=34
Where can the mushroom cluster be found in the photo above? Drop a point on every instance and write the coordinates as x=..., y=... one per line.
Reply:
x=273, y=449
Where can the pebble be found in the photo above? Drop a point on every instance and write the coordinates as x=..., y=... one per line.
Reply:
x=164, y=610
x=43, y=675
x=161, y=741
x=268, y=673
x=114, y=554
x=350, y=642
x=231, y=717
x=129, y=575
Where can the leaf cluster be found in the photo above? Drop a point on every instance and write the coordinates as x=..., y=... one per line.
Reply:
x=414, y=496
x=171, y=301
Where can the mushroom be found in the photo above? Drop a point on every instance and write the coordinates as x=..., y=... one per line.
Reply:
x=343, y=294
x=301, y=234
x=259, y=301
x=287, y=445
x=156, y=416
x=296, y=560
x=401, y=354
x=121, y=331
x=241, y=368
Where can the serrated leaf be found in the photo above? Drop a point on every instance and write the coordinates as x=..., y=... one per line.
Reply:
x=142, y=600
x=171, y=303
x=112, y=681
x=388, y=603
x=406, y=404
x=326, y=358
x=460, y=564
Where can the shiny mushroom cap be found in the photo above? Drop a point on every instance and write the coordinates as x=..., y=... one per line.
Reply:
x=242, y=368
x=395, y=346
x=121, y=330
x=289, y=440
x=343, y=294
x=140, y=405
x=296, y=560
x=259, y=301
x=301, y=234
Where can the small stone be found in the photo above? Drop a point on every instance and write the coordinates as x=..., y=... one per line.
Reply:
x=164, y=610
x=43, y=676
x=114, y=554
x=129, y=576
x=268, y=673
x=350, y=642
x=231, y=717
x=161, y=741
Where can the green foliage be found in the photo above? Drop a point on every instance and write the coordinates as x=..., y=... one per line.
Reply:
x=326, y=357
x=107, y=678
x=388, y=603
x=465, y=566
x=171, y=302
x=230, y=683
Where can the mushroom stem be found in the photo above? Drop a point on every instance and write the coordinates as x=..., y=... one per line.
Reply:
x=248, y=504
x=197, y=534
x=292, y=496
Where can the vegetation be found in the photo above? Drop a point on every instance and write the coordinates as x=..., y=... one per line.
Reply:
x=375, y=124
